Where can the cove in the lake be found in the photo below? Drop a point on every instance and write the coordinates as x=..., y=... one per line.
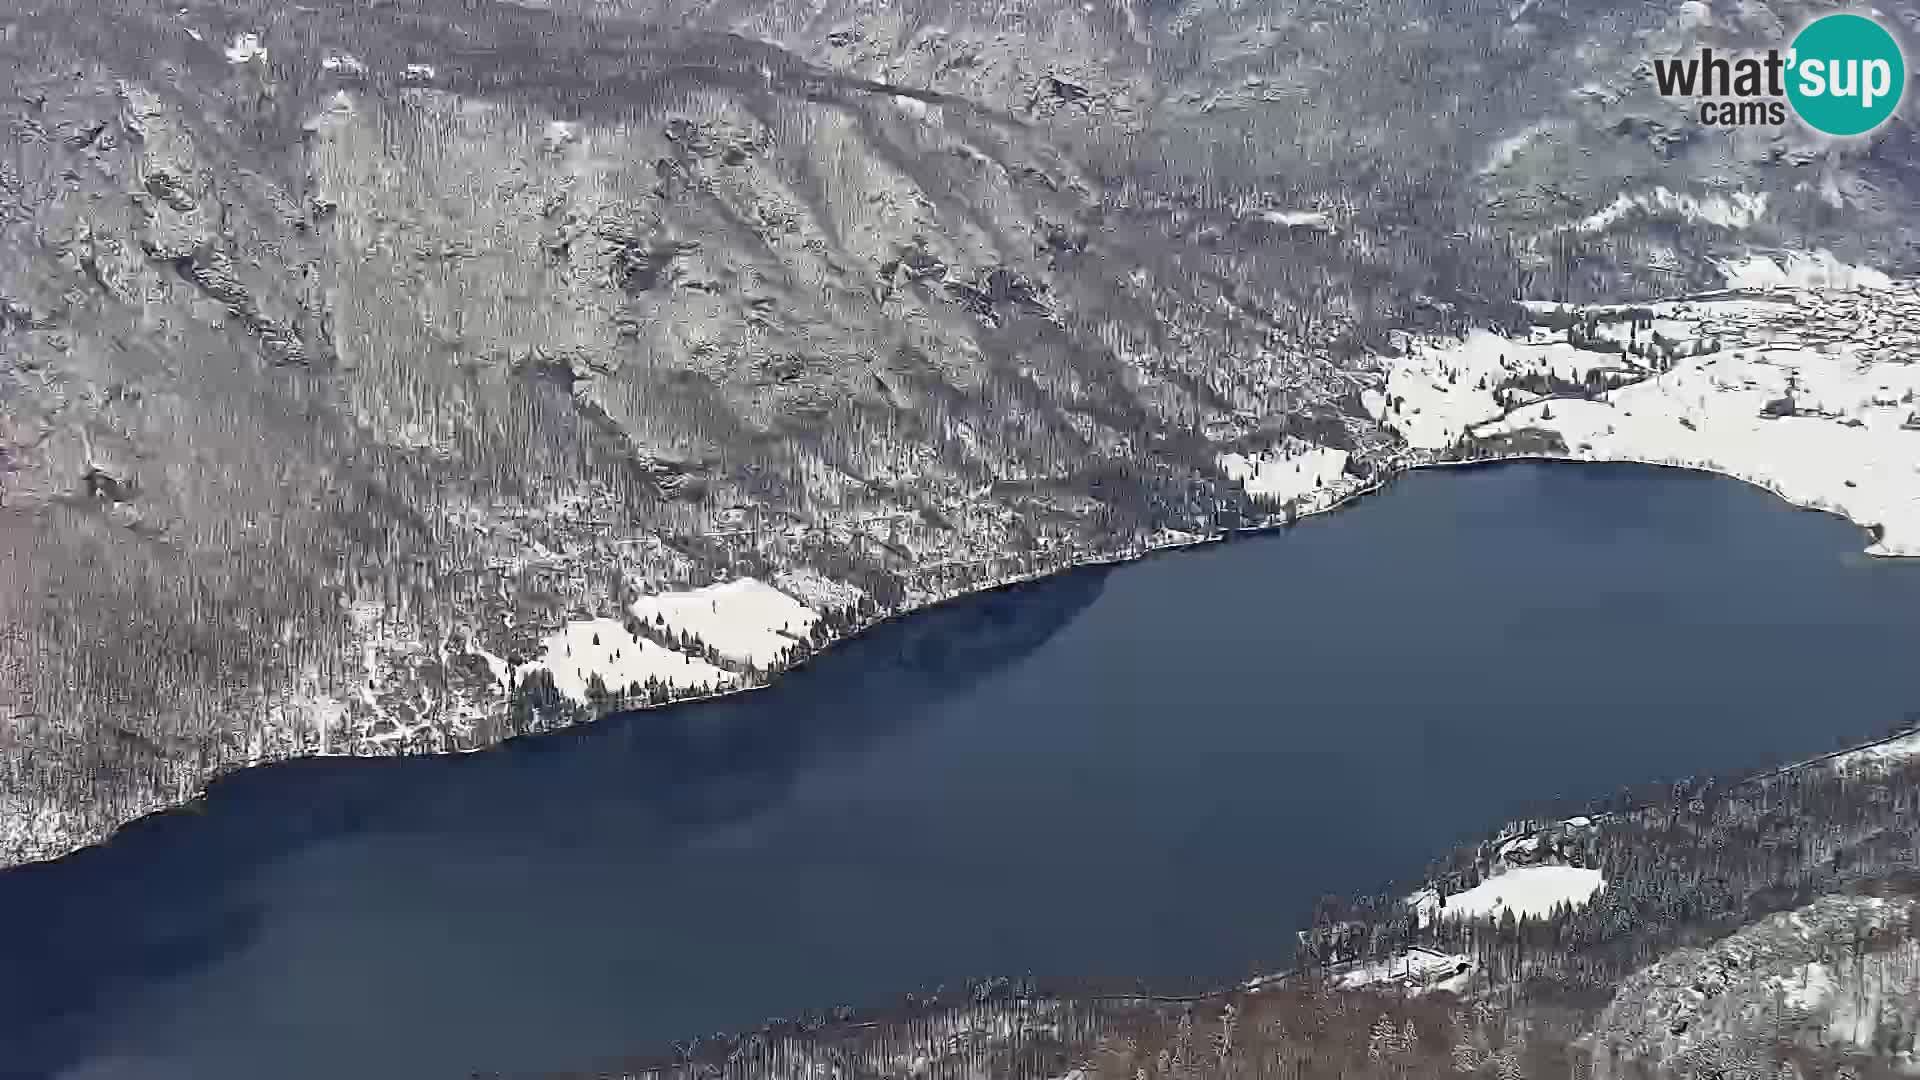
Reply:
x=1148, y=771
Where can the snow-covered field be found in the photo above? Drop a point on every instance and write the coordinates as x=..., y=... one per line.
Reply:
x=1526, y=890
x=1813, y=394
x=1439, y=391
x=580, y=650
x=743, y=619
x=1294, y=470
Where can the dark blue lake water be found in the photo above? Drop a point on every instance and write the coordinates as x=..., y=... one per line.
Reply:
x=1147, y=771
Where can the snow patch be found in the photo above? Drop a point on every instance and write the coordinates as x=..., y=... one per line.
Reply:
x=246, y=49
x=1524, y=844
x=1510, y=147
x=318, y=715
x=1303, y=219
x=1736, y=211
x=1889, y=752
x=1374, y=402
x=743, y=619
x=1439, y=390
x=582, y=649
x=1815, y=270
x=558, y=135
x=917, y=108
x=1289, y=471
x=1803, y=420
x=1527, y=890
x=342, y=64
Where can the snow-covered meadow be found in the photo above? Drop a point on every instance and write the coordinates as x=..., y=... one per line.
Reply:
x=580, y=650
x=1813, y=394
x=743, y=619
x=1526, y=891
x=1292, y=470
x=1441, y=390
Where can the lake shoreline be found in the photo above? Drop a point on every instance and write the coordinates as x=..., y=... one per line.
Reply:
x=1342, y=501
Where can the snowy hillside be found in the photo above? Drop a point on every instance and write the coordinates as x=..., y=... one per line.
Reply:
x=1837, y=977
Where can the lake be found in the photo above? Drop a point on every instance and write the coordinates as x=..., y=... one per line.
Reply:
x=1151, y=770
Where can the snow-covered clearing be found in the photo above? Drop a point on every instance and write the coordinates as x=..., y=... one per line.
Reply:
x=1526, y=890
x=580, y=650
x=1298, y=219
x=743, y=619
x=1440, y=390
x=1289, y=471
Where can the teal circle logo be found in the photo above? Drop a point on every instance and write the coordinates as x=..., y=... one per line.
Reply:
x=1847, y=74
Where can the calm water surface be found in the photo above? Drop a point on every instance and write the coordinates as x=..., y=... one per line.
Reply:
x=1150, y=771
